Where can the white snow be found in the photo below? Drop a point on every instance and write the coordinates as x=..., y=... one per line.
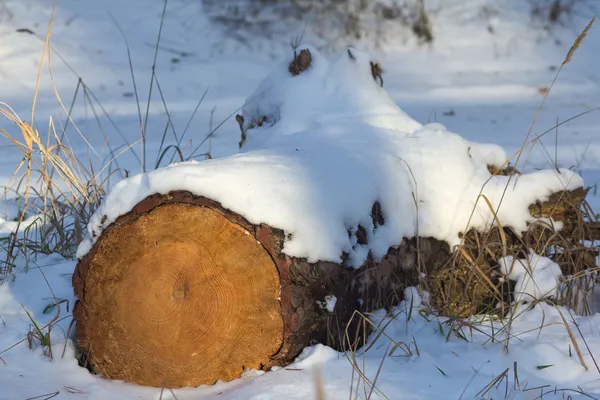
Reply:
x=536, y=277
x=10, y=215
x=539, y=344
x=336, y=143
x=328, y=303
x=315, y=355
x=412, y=297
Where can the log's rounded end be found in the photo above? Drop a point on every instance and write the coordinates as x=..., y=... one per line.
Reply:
x=178, y=296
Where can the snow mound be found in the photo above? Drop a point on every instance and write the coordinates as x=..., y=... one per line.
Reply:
x=327, y=92
x=10, y=213
x=315, y=355
x=332, y=144
x=537, y=277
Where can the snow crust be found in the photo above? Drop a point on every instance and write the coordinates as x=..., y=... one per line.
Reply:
x=333, y=144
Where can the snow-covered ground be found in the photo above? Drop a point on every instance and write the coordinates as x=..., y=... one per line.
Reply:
x=483, y=77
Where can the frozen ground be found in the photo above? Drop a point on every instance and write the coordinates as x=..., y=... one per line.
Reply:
x=484, y=86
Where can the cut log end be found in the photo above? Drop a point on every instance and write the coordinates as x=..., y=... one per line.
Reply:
x=178, y=296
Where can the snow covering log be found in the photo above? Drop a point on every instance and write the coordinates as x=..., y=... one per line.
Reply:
x=337, y=202
x=182, y=292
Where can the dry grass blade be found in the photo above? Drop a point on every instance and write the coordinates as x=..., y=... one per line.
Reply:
x=494, y=382
x=351, y=358
x=476, y=267
x=526, y=142
x=573, y=339
x=319, y=383
x=585, y=342
x=499, y=224
x=55, y=185
x=41, y=64
x=46, y=396
x=578, y=42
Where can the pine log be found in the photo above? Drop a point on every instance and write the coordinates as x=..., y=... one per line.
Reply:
x=182, y=292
